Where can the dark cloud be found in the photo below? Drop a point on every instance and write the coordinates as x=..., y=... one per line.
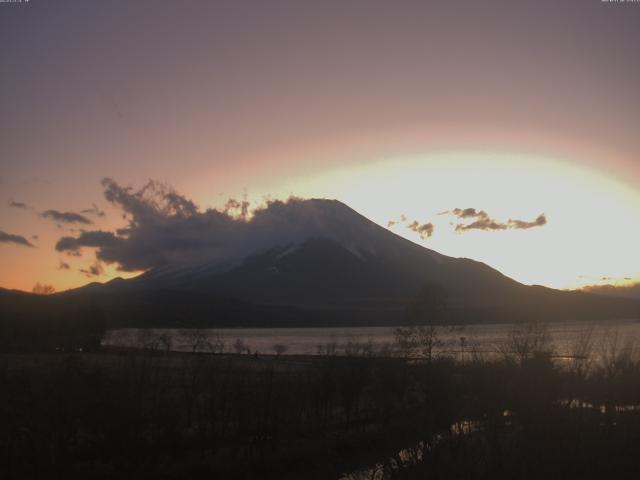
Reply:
x=17, y=239
x=152, y=202
x=469, y=213
x=94, y=270
x=484, y=222
x=241, y=207
x=64, y=266
x=163, y=228
x=94, y=210
x=391, y=223
x=425, y=230
x=15, y=204
x=96, y=238
x=166, y=229
x=538, y=222
x=66, y=217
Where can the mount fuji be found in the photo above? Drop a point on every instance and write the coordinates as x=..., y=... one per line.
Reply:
x=319, y=263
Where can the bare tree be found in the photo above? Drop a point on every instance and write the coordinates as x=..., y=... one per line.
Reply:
x=427, y=341
x=328, y=349
x=526, y=341
x=581, y=352
x=239, y=346
x=166, y=341
x=43, y=289
x=147, y=339
x=424, y=312
x=279, y=348
x=217, y=343
x=198, y=341
x=404, y=340
x=616, y=354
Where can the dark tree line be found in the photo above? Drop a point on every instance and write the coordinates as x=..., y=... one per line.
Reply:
x=41, y=324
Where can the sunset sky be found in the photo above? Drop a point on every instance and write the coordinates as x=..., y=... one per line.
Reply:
x=526, y=112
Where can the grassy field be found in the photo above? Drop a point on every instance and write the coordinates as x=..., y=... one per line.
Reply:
x=156, y=414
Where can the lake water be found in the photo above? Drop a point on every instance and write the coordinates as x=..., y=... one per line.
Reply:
x=483, y=339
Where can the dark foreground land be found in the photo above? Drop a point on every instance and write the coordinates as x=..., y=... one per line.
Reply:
x=161, y=415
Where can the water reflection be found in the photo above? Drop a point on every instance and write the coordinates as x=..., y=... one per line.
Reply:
x=463, y=343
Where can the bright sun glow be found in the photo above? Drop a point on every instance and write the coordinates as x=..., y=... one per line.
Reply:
x=591, y=235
